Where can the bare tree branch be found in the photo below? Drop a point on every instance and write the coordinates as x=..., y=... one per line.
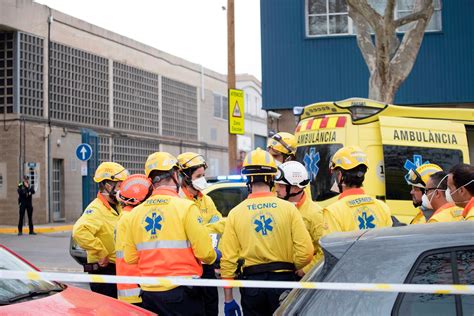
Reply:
x=389, y=10
x=370, y=15
x=364, y=38
x=405, y=57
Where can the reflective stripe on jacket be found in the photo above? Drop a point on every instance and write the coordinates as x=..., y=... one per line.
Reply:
x=166, y=238
x=94, y=230
x=126, y=292
x=264, y=229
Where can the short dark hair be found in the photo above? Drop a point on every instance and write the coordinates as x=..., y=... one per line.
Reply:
x=354, y=177
x=462, y=174
x=157, y=175
x=440, y=180
x=26, y=177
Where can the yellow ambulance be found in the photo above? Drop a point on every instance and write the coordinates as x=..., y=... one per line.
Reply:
x=395, y=138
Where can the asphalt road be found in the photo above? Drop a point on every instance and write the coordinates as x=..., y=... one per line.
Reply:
x=50, y=252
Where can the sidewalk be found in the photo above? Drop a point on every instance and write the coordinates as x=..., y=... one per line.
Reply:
x=43, y=228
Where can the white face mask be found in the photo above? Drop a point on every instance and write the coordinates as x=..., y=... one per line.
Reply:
x=200, y=184
x=449, y=194
x=335, y=187
x=425, y=202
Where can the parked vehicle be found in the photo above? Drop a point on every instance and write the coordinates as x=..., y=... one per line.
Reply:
x=395, y=138
x=420, y=254
x=33, y=297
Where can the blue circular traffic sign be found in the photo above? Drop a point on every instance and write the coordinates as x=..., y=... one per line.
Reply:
x=84, y=152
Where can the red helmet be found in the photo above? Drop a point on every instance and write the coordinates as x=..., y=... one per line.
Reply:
x=134, y=190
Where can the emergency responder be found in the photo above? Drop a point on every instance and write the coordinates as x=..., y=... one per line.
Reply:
x=165, y=238
x=268, y=233
x=354, y=209
x=25, y=194
x=418, y=178
x=282, y=147
x=193, y=167
x=461, y=189
x=133, y=191
x=290, y=182
x=435, y=198
x=94, y=230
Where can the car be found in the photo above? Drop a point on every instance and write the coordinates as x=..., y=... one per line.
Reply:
x=225, y=191
x=441, y=253
x=33, y=297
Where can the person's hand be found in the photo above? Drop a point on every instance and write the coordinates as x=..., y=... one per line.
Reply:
x=218, y=256
x=300, y=273
x=103, y=262
x=232, y=308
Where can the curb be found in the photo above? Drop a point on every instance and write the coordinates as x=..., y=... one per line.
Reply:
x=46, y=229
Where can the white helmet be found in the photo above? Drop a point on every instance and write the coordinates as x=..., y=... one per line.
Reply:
x=292, y=173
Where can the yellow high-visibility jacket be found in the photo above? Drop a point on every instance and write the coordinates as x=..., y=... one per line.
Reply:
x=313, y=219
x=468, y=212
x=165, y=238
x=264, y=229
x=355, y=210
x=129, y=293
x=209, y=213
x=447, y=213
x=419, y=218
x=94, y=230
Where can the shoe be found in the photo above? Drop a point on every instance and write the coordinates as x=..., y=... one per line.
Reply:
x=33, y=233
x=20, y=233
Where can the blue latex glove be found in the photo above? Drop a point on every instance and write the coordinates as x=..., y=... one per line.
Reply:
x=232, y=309
x=219, y=256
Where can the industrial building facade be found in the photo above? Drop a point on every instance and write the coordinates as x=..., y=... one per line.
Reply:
x=64, y=82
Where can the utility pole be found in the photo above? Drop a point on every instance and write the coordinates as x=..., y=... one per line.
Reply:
x=231, y=80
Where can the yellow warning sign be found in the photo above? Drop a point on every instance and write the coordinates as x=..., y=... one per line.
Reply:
x=236, y=111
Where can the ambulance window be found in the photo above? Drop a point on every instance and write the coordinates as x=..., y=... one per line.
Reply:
x=398, y=158
x=316, y=159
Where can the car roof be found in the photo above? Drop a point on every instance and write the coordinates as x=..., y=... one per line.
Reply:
x=434, y=235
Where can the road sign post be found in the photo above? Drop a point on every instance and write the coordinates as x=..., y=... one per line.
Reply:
x=83, y=152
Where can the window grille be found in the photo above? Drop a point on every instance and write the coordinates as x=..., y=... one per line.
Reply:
x=6, y=71
x=179, y=102
x=132, y=153
x=136, y=99
x=80, y=86
x=31, y=74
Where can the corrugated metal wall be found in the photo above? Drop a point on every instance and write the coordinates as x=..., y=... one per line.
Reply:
x=298, y=71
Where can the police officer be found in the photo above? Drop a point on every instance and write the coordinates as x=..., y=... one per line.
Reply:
x=461, y=189
x=94, y=230
x=435, y=198
x=133, y=191
x=291, y=180
x=193, y=167
x=282, y=147
x=25, y=194
x=165, y=238
x=268, y=233
x=354, y=209
x=418, y=178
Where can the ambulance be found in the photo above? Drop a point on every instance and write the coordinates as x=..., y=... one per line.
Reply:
x=395, y=138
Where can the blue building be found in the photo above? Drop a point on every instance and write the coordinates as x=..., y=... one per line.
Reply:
x=310, y=54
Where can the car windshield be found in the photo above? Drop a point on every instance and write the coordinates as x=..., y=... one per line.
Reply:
x=10, y=290
x=316, y=159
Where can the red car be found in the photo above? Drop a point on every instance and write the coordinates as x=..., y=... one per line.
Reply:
x=27, y=297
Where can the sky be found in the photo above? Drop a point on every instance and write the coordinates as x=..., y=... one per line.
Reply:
x=195, y=30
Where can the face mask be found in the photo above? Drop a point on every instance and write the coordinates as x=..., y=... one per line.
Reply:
x=277, y=163
x=200, y=184
x=425, y=202
x=335, y=187
x=449, y=194
x=449, y=198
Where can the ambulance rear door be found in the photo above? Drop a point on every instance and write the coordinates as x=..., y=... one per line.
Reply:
x=409, y=143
